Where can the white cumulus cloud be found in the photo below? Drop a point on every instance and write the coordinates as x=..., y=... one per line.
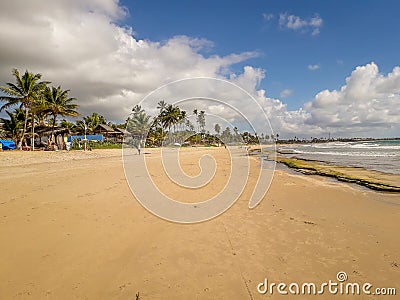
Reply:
x=369, y=102
x=79, y=45
x=297, y=23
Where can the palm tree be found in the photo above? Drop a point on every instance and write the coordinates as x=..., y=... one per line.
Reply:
x=182, y=119
x=80, y=127
x=170, y=116
x=196, y=113
x=12, y=127
x=236, y=137
x=137, y=109
x=24, y=92
x=162, y=105
x=66, y=124
x=58, y=103
x=201, y=120
x=38, y=109
x=91, y=122
x=226, y=135
x=189, y=125
x=139, y=125
x=155, y=137
x=217, y=128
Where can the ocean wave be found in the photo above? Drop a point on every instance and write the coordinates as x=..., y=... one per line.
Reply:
x=330, y=145
x=374, y=146
x=345, y=146
x=343, y=153
x=382, y=156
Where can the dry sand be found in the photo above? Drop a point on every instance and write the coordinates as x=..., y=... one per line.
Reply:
x=71, y=229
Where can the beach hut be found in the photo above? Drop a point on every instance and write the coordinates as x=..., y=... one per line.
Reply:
x=122, y=133
x=47, y=141
x=107, y=131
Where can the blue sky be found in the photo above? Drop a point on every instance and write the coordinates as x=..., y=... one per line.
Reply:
x=353, y=33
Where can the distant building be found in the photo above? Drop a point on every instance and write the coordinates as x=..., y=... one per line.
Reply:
x=110, y=134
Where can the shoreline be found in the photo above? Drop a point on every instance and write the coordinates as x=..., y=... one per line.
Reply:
x=343, y=174
x=374, y=180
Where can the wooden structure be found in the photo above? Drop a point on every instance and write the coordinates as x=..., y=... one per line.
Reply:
x=110, y=134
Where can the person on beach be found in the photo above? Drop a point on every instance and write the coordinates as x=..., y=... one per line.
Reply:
x=138, y=148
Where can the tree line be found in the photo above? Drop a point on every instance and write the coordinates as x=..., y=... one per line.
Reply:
x=30, y=102
x=37, y=104
x=172, y=125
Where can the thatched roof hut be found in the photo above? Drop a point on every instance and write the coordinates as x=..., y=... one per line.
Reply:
x=104, y=129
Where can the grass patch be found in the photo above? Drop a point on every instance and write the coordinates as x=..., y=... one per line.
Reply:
x=97, y=145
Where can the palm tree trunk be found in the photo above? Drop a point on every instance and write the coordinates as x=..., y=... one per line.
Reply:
x=33, y=132
x=52, y=128
x=19, y=146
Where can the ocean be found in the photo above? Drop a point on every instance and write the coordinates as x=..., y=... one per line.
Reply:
x=381, y=156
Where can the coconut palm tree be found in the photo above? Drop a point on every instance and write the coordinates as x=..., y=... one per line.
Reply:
x=236, y=136
x=139, y=124
x=66, y=124
x=57, y=103
x=182, y=119
x=196, y=113
x=189, y=125
x=170, y=117
x=13, y=127
x=80, y=127
x=27, y=89
x=137, y=109
x=217, y=128
x=93, y=121
x=161, y=106
x=38, y=109
x=201, y=120
x=226, y=135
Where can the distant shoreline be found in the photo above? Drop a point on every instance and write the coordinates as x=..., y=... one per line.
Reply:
x=333, y=140
x=375, y=180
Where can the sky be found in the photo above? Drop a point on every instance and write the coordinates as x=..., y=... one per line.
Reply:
x=313, y=66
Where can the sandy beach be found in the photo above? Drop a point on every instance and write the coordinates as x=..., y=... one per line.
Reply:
x=70, y=228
